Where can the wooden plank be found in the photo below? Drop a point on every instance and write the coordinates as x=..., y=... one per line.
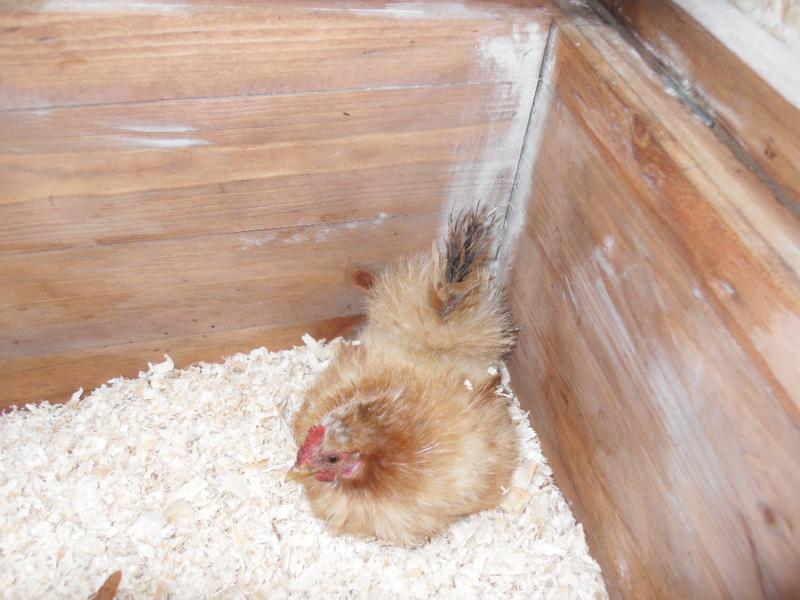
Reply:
x=441, y=9
x=54, y=377
x=242, y=164
x=196, y=54
x=677, y=163
x=63, y=300
x=187, y=167
x=748, y=81
x=173, y=169
x=665, y=408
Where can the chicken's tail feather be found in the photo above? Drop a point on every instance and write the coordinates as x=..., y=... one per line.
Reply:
x=468, y=244
x=462, y=272
x=463, y=289
x=446, y=306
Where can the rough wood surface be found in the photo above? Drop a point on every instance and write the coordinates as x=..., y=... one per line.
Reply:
x=748, y=81
x=656, y=285
x=173, y=169
x=54, y=377
x=77, y=298
x=147, y=57
x=241, y=164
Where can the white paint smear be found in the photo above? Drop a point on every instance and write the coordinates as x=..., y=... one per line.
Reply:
x=523, y=186
x=113, y=6
x=256, y=240
x=157, y=128
x=423, y=10
x=493, y=160
x=153, y=142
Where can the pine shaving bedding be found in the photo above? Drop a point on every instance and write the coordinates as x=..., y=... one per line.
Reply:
x=177, y=479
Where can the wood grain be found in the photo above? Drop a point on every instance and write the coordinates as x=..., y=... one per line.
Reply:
x=730, y=78
x=756, y=276
x=656, y=286
x=240, y=164
x=171, y=170
x=54, y=377
x=197, y=54
x=62, y=300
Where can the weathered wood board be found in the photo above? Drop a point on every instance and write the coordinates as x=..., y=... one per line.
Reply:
x=241, y=164
x=747, y=80
x=657, y=291
x=49, y=375
x=124, y=293
x=179, y=170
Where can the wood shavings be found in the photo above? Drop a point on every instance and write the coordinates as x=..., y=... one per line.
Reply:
x=176, y=480
x=162, y=367
x=515, y=499
x=319, y=351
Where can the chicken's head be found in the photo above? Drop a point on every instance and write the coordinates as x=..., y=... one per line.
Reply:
x=319, y=456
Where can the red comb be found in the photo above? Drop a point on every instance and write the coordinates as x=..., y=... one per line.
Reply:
x=313, y=441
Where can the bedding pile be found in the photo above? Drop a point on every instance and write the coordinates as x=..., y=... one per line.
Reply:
x=176, y=478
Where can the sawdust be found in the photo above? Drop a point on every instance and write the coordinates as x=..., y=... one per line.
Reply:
x=177, y=479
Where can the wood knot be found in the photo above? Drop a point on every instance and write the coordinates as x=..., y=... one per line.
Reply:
x=363, y=279
x=769, y=149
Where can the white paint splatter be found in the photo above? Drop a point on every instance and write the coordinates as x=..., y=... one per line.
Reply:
x=113, y=6
x=492, y=160
x=255, y=240
x=515, y=59
x=517, y=208
x=322, y=232
x=601, y=254
x=380, y=218
x=601, y=259
x=157, y=128
x=295, y=238
x=423, y=10
x=167, y=143
x=725, y=286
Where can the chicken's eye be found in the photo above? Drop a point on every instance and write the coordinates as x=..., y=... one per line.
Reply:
x=333, y=459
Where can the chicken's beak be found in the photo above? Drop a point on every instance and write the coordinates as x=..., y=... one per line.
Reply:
x=297, y=473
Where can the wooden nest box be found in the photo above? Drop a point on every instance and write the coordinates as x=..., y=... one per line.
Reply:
x=199, y=178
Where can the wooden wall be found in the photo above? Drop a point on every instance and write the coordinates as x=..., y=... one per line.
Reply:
x=657, y=288
x=745, y=80
x=200, y=178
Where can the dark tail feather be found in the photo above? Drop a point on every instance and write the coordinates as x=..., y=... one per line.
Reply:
x=461, y=275
x=468, y=245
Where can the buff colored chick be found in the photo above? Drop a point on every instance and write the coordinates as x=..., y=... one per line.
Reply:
x=403, y=434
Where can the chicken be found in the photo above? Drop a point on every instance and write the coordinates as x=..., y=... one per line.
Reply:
x=403, y=433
